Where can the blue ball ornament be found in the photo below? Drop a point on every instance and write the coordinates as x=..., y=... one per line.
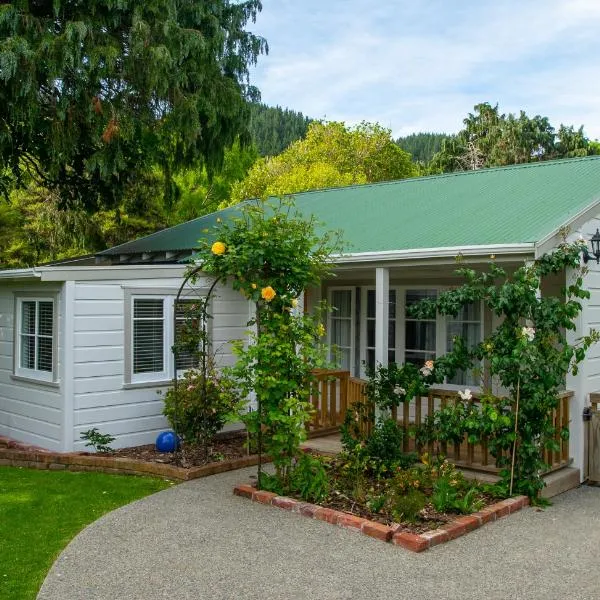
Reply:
x=166, y=441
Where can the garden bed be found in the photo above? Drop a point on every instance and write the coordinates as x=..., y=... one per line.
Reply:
x=398, y=534
x=139, y=460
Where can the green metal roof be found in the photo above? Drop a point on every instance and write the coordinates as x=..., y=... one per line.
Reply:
x=505, y=205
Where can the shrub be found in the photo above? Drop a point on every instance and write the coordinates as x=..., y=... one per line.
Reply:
x=199, y=406
x=309, y=478
x=406, y=507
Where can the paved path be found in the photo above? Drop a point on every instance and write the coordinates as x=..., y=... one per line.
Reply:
x=198, y=541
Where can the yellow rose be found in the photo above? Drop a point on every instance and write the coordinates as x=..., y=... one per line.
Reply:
x=253, y=286
x=268, y=293
x=321, y=329
x=218, y=248
x=295, y=303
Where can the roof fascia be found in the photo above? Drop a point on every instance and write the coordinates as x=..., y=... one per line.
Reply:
x=115, y=272
x=31, y=273
x=554, y=238
x=445, y=254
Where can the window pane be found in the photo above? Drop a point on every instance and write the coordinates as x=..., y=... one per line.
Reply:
x=418, y=358
x=28, y=317
x=371, y=333
x=148, y=336
x=420, y=335
x=342, y=301
x=340, y=331
x=187, y=314
x=415, y=296
x=392, y=334
x=392, y=307
x=371, y=304
x=27, y=352
x=344, y=358
x=45, y=318
x=371, y=358
x=44, y=354
x=147, y=308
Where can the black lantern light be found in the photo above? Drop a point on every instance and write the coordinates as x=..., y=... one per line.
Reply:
x=595, y=248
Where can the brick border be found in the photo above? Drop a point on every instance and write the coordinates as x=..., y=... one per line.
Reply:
x=411, y=541
x=15, y=454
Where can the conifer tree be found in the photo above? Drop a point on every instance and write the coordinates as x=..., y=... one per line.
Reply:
x=94, y=92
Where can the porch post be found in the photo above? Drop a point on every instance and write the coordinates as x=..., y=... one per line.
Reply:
x=382, y=310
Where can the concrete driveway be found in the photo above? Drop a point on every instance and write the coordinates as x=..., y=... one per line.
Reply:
x=197, y=540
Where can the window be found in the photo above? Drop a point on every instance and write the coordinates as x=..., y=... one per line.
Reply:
x=186, y=358
x=370, y=328
x=151, y=334
x=341, y=326
x=467, y=325
x=420, y=334
x=35, y=333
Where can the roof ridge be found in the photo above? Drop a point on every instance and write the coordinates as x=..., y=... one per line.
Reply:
x=539, y=163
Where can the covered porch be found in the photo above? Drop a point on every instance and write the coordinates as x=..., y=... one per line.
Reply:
x=336, y=390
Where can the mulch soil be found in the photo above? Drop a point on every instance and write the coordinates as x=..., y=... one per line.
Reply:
x=188, y=455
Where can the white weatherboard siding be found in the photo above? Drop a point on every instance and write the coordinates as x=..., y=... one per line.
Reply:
x=587, y=379
x=133, y=414
x=30, y=411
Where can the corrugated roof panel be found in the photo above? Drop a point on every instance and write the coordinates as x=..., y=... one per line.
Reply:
x=517, y=204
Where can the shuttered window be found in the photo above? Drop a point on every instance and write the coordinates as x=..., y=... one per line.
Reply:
x=185, y=316
x=35, y=342
x=148, y=335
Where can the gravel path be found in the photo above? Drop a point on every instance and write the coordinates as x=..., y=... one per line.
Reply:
x=197, y=540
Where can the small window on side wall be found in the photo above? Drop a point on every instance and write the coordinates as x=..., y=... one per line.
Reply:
x=34, y=339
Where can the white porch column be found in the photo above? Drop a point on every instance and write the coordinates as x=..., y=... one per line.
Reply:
x=382, y=311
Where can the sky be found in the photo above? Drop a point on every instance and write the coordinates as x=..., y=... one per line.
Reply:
x=421, y=65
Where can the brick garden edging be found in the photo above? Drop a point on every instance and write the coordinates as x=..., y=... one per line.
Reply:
x=411, y=541
x=15, y=454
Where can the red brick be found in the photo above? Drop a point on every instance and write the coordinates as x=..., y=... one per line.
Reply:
x=435, y=537
x=454, y=529
x=326, y=514
x=470, y=522
x=306, y=509
x=263, y=497
x=486, y=514
x=410, y=541
x=243, y=490
x=501, y=509
x=377, y=530
x=348, y=521
x=283, y=502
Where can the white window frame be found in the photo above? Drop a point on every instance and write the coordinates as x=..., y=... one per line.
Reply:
x=168, y=297
x=35, y=374
x=330, y=316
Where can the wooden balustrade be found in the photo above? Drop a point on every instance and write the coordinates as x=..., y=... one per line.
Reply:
x=335, y=390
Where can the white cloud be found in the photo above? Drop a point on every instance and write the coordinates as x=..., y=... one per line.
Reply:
x=423, y=68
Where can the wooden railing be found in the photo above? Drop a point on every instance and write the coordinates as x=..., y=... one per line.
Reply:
x=335, y=391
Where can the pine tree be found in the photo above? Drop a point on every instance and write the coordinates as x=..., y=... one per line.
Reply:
x=94, y=93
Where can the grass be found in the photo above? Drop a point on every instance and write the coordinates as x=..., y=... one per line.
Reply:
x=41, y=512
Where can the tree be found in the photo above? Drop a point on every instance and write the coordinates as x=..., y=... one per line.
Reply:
x=94, y=93
x=331, y=155
x=422, y=146
x=274, y=128
x=492, y=139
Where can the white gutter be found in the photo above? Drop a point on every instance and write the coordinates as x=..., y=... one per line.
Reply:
x=31, y=273
x=443, y=252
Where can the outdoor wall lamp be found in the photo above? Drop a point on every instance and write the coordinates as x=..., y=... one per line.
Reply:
x=595, y=248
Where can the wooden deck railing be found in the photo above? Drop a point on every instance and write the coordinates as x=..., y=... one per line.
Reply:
x=335, y=391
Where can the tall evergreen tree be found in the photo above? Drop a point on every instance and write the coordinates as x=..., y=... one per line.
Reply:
x=94, y=93
x=422, y=146
x=274, y=128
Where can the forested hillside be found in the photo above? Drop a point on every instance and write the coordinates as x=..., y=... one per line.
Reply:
x=422, y=146
x=274, y=128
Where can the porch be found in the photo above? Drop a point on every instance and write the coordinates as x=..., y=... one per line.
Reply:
x=336, y=390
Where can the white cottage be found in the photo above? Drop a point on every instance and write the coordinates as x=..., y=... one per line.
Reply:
x=86, y=343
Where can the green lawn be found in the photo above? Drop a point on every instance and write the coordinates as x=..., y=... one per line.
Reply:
x=41, y=512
